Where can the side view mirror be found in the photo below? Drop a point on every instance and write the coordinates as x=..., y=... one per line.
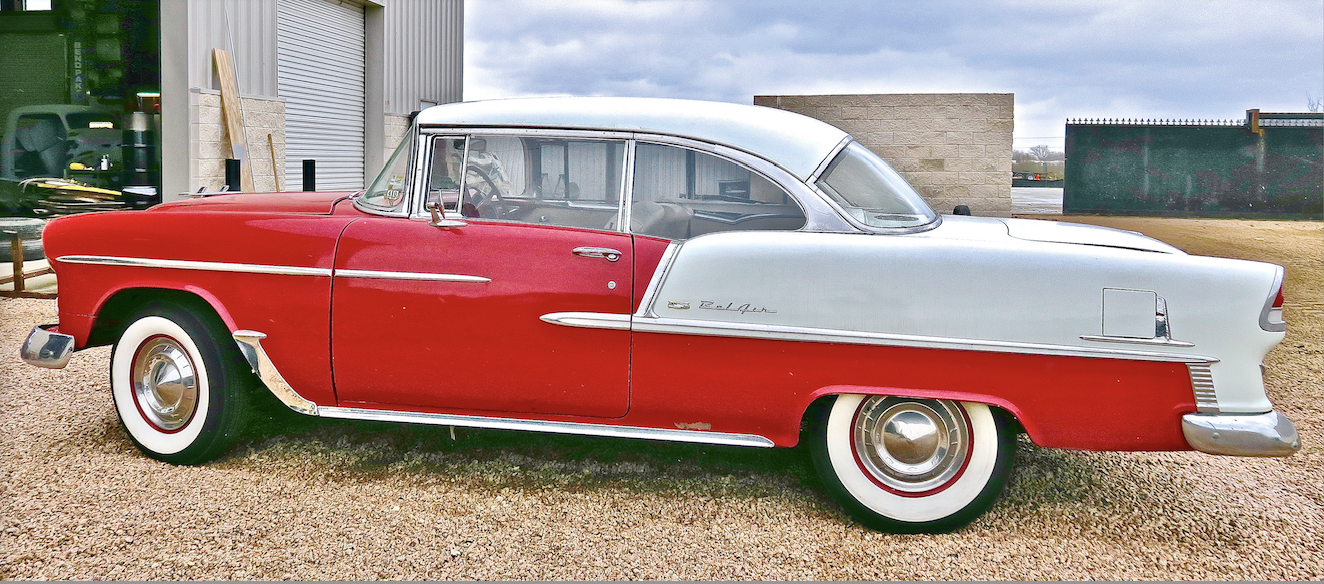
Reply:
x=434, y=207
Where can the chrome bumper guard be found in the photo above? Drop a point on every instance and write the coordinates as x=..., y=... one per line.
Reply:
x=44, y=348
x=1267, y=434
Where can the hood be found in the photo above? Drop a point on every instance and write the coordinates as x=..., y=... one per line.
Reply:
x=314, y=203
x=1061, y=232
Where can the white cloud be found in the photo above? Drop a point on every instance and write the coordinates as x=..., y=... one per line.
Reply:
x=1072, y=58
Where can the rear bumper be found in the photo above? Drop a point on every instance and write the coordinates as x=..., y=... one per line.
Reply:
x=1267, y=434
x=45, y=347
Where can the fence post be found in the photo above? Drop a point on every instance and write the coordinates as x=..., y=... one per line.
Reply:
x=16, y=249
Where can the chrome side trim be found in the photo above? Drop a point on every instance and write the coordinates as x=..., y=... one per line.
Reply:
x=793, y=333
x=1202, y=383
x=678, y=326
x=691, y=436
x=595, y=320
x=1267, y=434
x=192, y=265
x=44, y=348
x=251, y=346
x=421, y=276
x=1265, y=323
x=1161, y=342
x=659, y=275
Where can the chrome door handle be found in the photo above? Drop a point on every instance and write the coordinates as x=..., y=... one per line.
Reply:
x=606, y=253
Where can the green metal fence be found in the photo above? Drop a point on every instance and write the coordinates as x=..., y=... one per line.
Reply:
x=1269, y=166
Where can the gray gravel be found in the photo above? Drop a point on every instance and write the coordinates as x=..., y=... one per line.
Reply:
x=305, y=500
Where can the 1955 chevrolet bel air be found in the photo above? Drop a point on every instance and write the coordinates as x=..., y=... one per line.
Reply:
x=671, y=270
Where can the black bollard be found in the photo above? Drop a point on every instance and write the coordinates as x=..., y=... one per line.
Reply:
x=232, y=175
x=309, y=175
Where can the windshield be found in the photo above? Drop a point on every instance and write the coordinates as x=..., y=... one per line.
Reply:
x=871, y=192
x=387, y=192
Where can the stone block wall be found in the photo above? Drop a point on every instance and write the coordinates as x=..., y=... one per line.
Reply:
x=955, y=148
x=210, y=144
x=395, y=128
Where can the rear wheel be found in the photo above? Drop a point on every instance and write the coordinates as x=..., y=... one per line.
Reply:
x=908, y=465
x=179, y=384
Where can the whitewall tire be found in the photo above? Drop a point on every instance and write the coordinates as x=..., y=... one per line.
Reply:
x=911, y=465
x=179, y=388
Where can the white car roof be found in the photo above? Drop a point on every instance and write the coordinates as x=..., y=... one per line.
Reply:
x=797, y=143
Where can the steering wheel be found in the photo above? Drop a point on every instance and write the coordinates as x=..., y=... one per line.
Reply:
x=491, y=198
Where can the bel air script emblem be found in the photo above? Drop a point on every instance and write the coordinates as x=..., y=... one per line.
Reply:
x=728, y=307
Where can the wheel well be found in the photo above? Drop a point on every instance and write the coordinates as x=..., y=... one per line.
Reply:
x=825, y=401
x=113, y=316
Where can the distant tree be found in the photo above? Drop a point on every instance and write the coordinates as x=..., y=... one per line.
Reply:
x=1314, y=103
x=1044, y=153
x=1021, y=156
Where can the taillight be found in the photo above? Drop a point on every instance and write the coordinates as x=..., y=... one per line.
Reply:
x=1271, y=318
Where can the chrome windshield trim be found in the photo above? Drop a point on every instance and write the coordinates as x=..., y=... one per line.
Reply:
x=794, y=333
x=581, y=429
x=192, y=265
x=597, y=320
x=250, y=345
x=417, y=276
x=654, y=284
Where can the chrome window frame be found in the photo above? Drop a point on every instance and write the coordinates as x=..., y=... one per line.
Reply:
x=818, y=217
x=840, y=211
x=821, y=214
x=424, y=172
x=411, y=187
x=468, y=132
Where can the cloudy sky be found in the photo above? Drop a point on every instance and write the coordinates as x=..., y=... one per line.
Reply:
x=1062, y=58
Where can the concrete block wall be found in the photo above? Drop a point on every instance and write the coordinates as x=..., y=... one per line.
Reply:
x=210, y=144
x=954, y=148
x=395, y=128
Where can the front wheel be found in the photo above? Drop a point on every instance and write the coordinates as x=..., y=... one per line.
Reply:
x=180, y=389
x=908, y=465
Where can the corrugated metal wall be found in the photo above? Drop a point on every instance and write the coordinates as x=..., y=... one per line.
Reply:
x=245, y=28
x=322, y=81
x=424, y=50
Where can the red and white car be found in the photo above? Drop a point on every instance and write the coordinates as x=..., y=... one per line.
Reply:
x=671, y=270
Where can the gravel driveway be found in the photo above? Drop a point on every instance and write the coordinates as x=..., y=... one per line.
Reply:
x=304, y=500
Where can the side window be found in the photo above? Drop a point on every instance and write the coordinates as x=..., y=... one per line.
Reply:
x=681, y=193
x=444, y=179
x=548, y=181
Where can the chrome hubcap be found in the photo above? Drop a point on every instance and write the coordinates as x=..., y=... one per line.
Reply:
x=164, y=383
x=911, y=445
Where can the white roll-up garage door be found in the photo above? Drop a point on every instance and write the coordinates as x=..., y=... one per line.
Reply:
x=320, y=70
